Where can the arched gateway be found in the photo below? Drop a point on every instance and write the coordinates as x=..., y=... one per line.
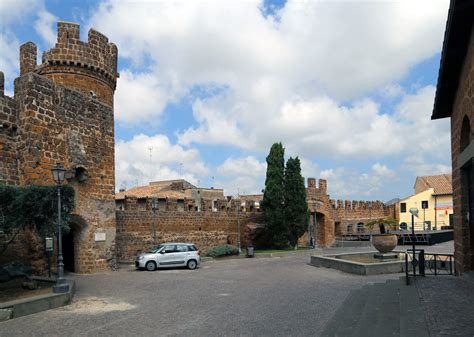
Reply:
x=331, y=219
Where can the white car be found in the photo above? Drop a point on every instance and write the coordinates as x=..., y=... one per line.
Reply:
x=169, y=255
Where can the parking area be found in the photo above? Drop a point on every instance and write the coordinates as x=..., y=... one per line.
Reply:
x=278, y=296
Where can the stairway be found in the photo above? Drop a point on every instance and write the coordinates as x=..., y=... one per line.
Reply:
x=379, y=309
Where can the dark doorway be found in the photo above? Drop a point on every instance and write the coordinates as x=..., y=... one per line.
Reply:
x=68, y=251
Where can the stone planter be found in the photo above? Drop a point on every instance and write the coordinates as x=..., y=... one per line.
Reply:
x=384, y=243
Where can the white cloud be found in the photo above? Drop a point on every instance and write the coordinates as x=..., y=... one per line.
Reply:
x=9, y=59
x=45, y=26
x=313, y=48
x=168, y=161
x=248, y=166
x=421, y=166
x=243, y=175
x=382, y=170
x=14, y=10
x=139, y=97
x=347, y=183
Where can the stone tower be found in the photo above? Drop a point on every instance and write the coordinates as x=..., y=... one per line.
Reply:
x=62, y=111
x=89, y=67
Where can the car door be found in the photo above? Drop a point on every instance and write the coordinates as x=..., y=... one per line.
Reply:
x=181, y=254
x=167, y=256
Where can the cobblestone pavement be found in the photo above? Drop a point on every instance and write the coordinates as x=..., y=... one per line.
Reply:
x=448, y=304
x=279, y=296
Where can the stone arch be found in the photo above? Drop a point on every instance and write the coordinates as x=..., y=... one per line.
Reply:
x=465, y=138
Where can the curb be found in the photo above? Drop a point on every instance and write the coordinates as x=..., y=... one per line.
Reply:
x=34, y=304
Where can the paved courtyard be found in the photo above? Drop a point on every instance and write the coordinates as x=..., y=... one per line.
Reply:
x=238, y=297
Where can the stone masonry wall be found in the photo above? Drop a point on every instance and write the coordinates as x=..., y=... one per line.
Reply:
x=8, y=133
x=205, y=229
x=58, y=124
x=463, y=106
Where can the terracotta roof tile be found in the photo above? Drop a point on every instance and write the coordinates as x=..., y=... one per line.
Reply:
x=150, y=191
x=442, y=184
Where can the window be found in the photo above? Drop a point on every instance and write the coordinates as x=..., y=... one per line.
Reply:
x=192, y=248
x=403, y=207
x=403, y=226
x=170, y=249
x=161, y=204
x=424, y=204
x=180, y=203
x=181, y=248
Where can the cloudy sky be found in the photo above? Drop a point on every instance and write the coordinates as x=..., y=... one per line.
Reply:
x=206, y=87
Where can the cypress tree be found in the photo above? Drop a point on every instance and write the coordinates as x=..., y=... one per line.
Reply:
x=273, y=196
x=296, y=207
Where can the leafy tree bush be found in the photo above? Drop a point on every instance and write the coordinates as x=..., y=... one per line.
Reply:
x=385, y=225
x=273, y=196
x=36, y=206
x=296, y=207
x=225, y=250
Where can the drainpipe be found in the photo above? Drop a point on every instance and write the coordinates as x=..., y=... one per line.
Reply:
x=436, y=212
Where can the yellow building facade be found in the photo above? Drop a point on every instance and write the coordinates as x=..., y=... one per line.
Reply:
x=434, y=199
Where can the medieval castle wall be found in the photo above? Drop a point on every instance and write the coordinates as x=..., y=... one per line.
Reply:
x=136, y=223
x=332, y=218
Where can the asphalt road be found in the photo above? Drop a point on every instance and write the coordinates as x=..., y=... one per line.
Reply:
x=240, y=297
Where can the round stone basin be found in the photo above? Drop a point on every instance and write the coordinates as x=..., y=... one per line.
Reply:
x=361, y=263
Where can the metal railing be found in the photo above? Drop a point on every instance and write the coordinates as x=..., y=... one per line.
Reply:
x=418, y=263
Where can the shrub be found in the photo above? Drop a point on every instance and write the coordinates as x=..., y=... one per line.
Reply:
x=222, y=251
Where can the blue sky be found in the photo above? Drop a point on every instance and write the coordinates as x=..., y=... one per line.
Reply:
x=208, y=86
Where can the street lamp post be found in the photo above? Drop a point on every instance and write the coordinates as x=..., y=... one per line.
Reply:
x=154, y=207
x=238, y=225
x=61, y=286
x=414, y=212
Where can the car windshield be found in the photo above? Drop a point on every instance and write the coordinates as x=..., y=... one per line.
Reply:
x=156, y=249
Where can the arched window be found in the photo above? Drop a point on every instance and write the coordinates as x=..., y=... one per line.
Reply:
x=360, y=227
x=349, y=228
x=465, y=133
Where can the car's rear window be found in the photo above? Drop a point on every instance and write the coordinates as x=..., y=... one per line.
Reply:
x=192, y=248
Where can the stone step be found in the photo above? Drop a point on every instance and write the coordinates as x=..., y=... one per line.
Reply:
x=380, y=315
x=346, y=317
x=412, y=319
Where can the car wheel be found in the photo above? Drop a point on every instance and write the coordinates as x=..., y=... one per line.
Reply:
x=192, y=264
x=150, y=265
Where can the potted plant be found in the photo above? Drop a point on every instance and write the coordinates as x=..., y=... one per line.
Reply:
x=385, y=241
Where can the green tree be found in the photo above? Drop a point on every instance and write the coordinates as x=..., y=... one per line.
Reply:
x=296, y=207
x=273, y=196
x=32, y=206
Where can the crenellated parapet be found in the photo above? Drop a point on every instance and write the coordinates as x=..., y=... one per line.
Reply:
x=172, y=204
x=89, y=67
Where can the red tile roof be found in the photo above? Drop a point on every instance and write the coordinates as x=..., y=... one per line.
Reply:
x=442, y=184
